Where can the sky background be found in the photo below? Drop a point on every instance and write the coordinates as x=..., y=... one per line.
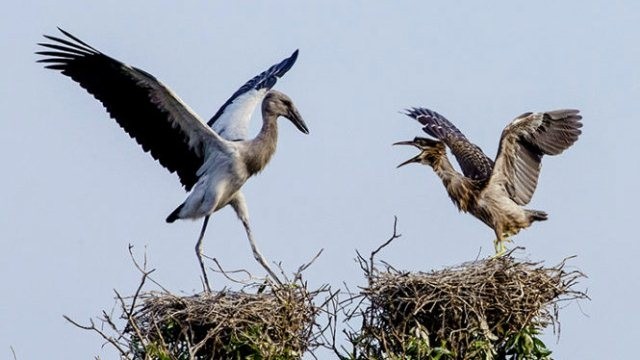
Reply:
x=77, y=190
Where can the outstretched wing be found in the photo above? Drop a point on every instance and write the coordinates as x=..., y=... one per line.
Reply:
x=524, y=142
x=146, y=109
x=232, y=119
x=473, y=162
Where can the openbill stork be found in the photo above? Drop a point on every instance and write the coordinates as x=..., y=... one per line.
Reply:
x=496, y=192
x=212, y=159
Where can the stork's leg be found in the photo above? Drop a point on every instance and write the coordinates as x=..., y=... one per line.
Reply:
x=199, y=254
x=256, y=252
x=239, y=205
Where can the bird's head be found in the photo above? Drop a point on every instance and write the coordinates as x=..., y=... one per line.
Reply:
x=279, y=104
x=430, y=151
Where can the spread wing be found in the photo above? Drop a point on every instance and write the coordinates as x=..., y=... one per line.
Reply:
x=146, y=109
x=524, y=142
x=232, y=119
x=473, y=162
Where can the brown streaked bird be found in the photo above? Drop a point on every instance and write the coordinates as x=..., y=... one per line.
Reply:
x=496, y=192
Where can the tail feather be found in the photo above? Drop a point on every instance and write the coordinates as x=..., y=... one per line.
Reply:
x=537, y=215
x=174, y=215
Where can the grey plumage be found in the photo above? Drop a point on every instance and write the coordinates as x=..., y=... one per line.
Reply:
x=214, y=160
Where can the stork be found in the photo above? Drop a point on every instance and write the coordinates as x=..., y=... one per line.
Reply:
x=496, y=192
x=212, y=159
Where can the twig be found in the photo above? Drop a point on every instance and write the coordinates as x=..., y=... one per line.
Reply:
x=226, y=273
x=100, y=332
x=304, y=267
x=393, y=237
x=145, y=275
x=142, y=269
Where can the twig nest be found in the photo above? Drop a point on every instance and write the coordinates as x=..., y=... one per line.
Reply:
x=277, y=324
x=460, y=308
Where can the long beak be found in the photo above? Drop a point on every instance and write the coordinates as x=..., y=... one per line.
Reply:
x=408, y=142
x=412, y=160
x=296, y=119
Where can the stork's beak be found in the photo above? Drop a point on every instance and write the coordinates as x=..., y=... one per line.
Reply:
x=296, y=119
x=413, y=159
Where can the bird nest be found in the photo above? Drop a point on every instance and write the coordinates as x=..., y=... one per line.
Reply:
x=488, y=309
x=260, y=321
x=223, y=325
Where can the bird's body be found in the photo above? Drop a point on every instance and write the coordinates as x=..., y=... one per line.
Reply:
x=495, y=193
x=482, y=199
x=212, y=159
x=221, y=177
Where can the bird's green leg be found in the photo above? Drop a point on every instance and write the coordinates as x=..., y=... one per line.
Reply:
x=499, y=245
x=505, y=238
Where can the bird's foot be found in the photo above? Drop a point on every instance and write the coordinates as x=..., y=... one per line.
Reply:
x=500, y=248
x=499, y=253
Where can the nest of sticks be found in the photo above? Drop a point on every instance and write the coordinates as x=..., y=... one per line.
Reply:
x=459, y=309
x=260, y=321
x=224, y=325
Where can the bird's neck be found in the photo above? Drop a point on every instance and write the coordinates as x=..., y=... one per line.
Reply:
x=459, y=187
x=261, y=148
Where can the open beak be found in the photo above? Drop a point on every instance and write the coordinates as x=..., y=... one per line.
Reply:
x=413, y=159
x=296, y=119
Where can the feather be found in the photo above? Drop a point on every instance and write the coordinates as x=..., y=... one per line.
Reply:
x=147, y=110
x=524, y=142
x=473, y=162
x=231, y=121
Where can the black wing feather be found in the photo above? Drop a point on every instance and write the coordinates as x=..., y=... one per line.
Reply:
x=265, y=79
x=128, y=101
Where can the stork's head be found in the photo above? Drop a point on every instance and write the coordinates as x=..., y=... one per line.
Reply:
x=279, y=104
x=430, y=151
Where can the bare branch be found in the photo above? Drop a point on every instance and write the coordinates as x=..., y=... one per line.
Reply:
x=304, y=267
x=142, y=269
x=394, y=236
x=226, y=273
x=106, y=337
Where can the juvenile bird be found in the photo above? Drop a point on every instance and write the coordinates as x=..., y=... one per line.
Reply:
x=212, y=159
x=495, y=192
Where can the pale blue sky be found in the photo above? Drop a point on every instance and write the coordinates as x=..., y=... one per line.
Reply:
x=77, y=190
